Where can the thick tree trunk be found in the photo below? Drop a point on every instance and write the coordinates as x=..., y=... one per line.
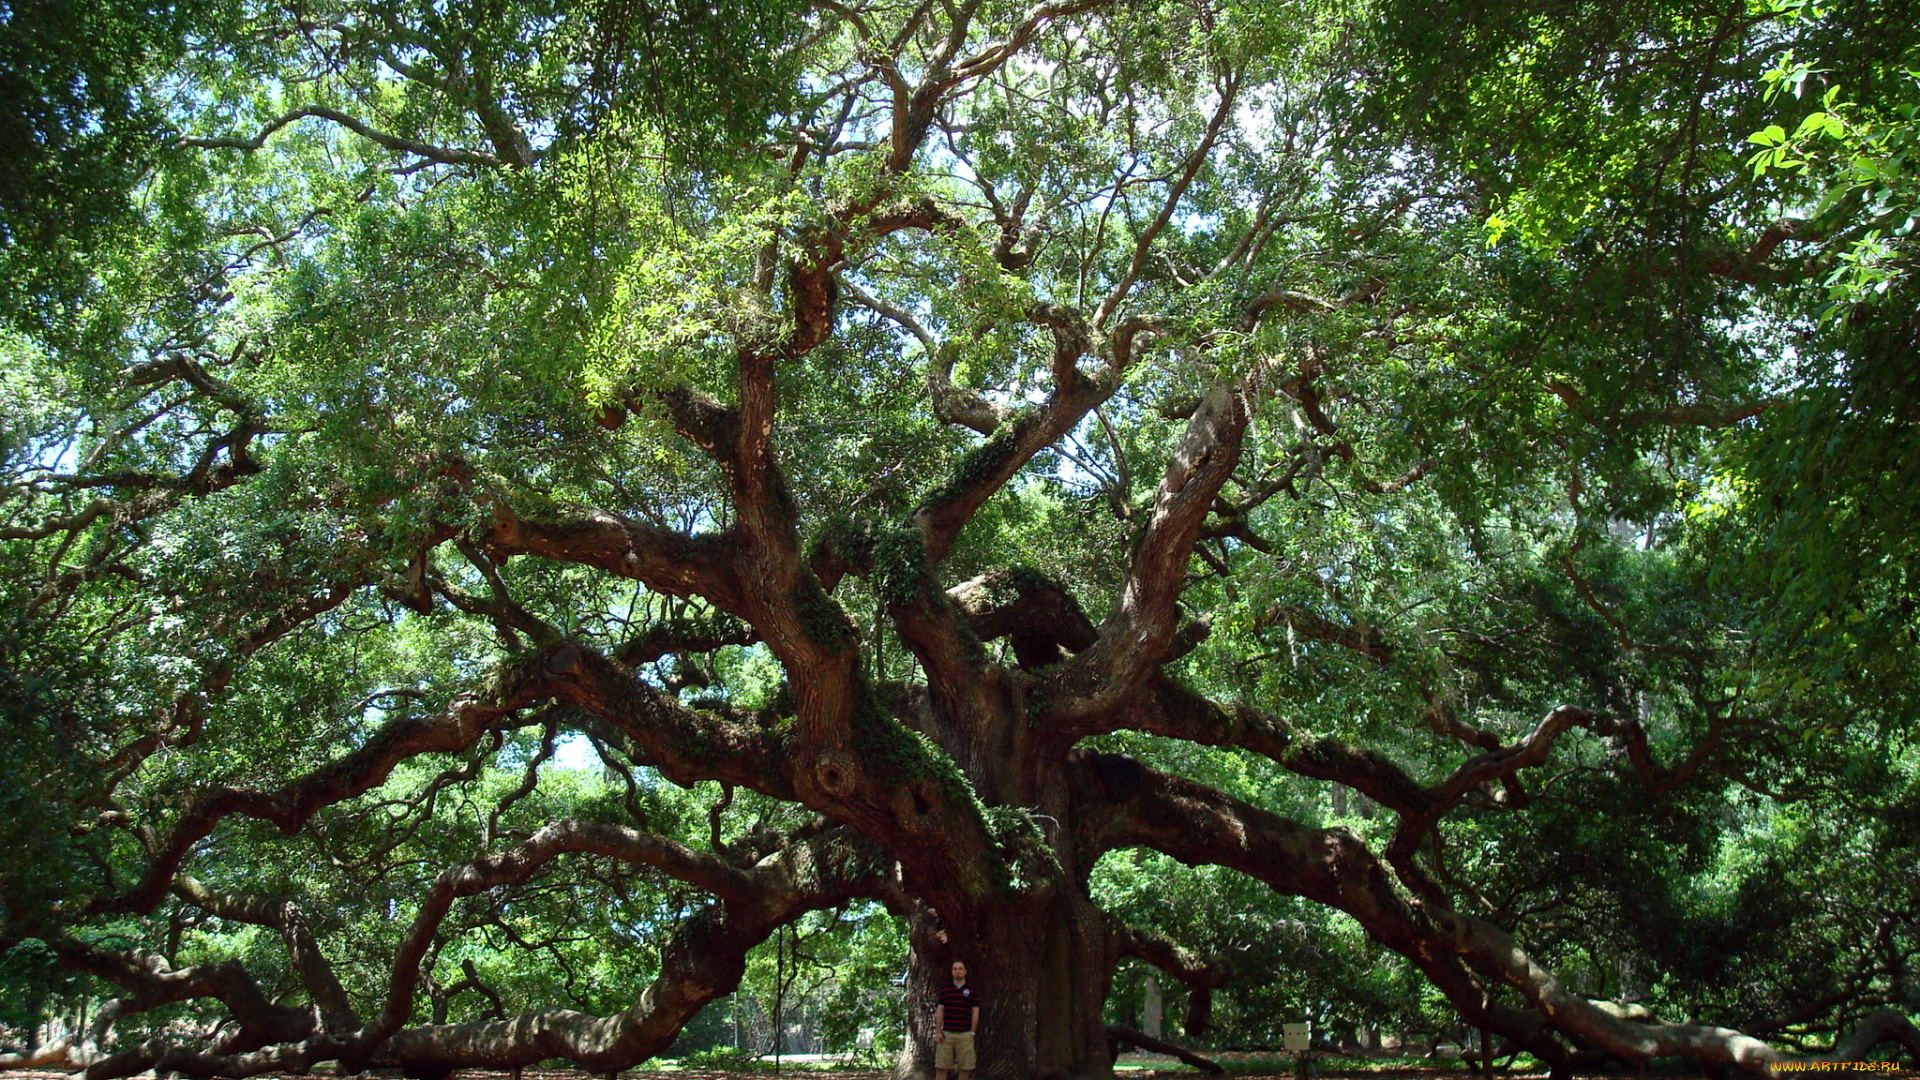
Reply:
x=1043, y=967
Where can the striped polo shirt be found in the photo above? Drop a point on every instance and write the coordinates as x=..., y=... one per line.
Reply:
x=956, y=1006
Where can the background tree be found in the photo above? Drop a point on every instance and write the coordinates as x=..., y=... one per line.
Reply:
x=966, y=463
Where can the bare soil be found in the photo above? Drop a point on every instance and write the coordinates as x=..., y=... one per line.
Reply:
x=1336, y=1069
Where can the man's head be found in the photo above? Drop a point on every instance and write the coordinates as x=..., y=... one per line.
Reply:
x=959, y=972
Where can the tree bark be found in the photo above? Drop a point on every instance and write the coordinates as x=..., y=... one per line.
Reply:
x=1121, y=1033
x=1043, y=966
x=1880, y=1027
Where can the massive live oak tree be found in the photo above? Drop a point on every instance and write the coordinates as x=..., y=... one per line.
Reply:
x=919, y=450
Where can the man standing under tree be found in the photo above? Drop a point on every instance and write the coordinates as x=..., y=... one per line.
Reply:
x=959, y=1019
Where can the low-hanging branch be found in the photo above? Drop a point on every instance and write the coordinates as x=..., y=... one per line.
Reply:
x=1135, y=1037
x=350, y=775
x=317, y=974
x=1174, y=959
x=1197, y=824
x=705, y=959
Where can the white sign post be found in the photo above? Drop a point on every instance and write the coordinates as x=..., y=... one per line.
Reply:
x=1298, y=1040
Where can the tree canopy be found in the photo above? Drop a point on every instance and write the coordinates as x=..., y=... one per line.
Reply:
x=517, y=513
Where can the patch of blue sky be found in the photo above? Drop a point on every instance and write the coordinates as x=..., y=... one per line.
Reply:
x=574, y=751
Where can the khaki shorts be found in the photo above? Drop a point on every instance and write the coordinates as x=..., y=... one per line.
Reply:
x=955, y=1051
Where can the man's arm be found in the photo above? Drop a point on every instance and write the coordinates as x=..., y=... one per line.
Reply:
x=976, y=1020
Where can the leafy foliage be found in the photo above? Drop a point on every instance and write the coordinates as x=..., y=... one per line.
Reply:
x=511, y=502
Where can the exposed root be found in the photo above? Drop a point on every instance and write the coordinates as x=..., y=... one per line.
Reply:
x=1117, y=1033
x=52, y=1054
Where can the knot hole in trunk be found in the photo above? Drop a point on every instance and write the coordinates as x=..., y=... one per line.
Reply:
x=835, y=774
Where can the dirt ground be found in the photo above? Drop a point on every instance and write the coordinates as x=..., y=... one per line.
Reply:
x=1129, y=1070
x=1335, y=1069
x=813, y=1073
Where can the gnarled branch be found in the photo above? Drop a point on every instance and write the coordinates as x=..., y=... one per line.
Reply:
x=396, y=143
